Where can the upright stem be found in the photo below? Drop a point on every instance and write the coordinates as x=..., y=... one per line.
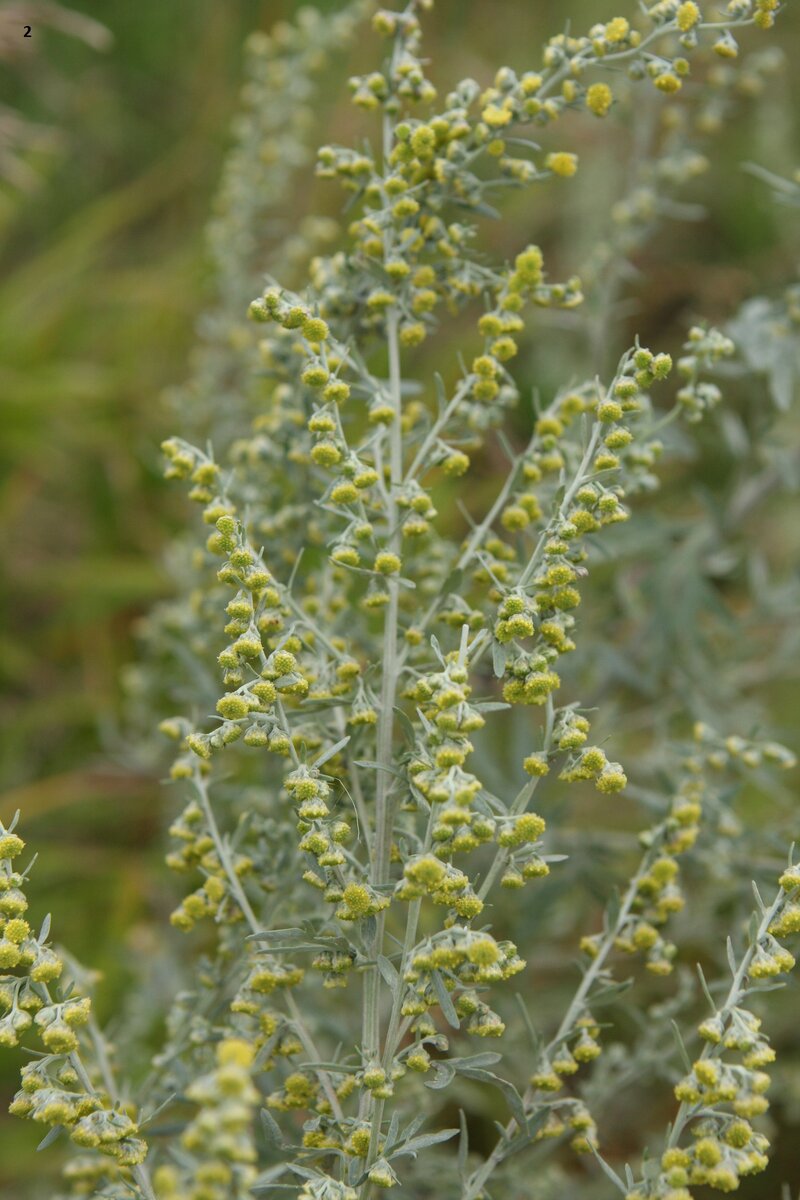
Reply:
x=379, y=870
x=383, y=828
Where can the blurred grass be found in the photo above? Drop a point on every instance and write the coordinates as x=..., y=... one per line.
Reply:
x=102, y=275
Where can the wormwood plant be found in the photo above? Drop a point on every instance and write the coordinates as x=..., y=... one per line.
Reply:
x=345, y=865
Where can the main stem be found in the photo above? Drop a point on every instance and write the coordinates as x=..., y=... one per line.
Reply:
x=379, y=873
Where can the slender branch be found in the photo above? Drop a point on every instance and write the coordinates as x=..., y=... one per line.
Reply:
x=439, y=424
x=520, y=804
x=735, y=993
x=475, y=1184
x=252, y=920
x=223, y=853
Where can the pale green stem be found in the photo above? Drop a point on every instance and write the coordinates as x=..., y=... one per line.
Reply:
x=369, y=1110
x=409, y=941
x=313, y=1053
x=564, y=507
x=223, y=853
x=575, y=1009
x=357, y=793
x=140, y=1172
x=379, y=873
x=565, y=71
x=736, y=992
x=479, y=532
x=474, y=542
x=103, y=1061
x=439, y=424
x=255, y=925
x=520, y=804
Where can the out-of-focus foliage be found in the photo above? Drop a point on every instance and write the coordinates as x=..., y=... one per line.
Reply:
x=104, y=274
x=21, y=139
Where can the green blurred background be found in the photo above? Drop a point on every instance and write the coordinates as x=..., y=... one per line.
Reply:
x=103, y=274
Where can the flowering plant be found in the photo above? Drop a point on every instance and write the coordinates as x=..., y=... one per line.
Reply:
x=360, y=883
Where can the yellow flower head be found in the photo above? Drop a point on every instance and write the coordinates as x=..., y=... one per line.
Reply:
x=668, y=82
x=617, y=30
x=562, y=163
x=495, y=116
x=235, y=1052
x=688, y=16
x=599, y=99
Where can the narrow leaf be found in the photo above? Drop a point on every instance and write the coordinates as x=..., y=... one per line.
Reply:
x=415, y=1144
x=463, y=1145
x=50, y=1137
x=705, y=988
x=272, y=1130
x=328, y=754
x=445, y=1003
x=608, y=1171
x=687, y=1066
x=498, y=659
x=731, y=956
x=529, y=1025
x=513, y=1098
x=388, y=971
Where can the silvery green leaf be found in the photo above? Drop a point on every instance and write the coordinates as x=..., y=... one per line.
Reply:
x=499, y=657
x=687, y=1066
x=762, y=908
x=513, y=1098
x=441, y=393
x=445, y=1002
x=704, y=986
x=415, y=1144
x=388, y=972
x=486, y=1058
x=369, y=927
x=444, y=1074
x=773, y=985
x=266, y=935
x=51, y=1136
x=272, y=1130
x=371, y=765
x=783, y=375
x=534, y=1036
x=406, y=724
x=463, y=1145
x=608, y=1171
x=328, y=754
x=731, y=956
x=610, y=992
x=394, y=1125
